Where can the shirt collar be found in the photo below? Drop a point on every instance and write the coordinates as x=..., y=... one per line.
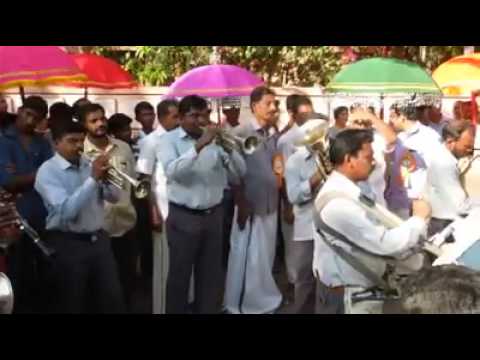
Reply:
x=160, y=130
x=182, y=133
x=89, y=146
x=414, y=129
x=345, y=183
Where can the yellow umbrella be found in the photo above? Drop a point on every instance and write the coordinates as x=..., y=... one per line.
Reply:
x=459, y=76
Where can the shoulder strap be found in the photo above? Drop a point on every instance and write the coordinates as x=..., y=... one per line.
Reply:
x=349, y=258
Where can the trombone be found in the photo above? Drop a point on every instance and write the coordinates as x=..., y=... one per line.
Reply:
x=118, y=178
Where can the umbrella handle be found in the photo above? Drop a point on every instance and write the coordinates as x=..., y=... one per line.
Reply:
x=474, y=108
x=85, y=93
x=22, y=94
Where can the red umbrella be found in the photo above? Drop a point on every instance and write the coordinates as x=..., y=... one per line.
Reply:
x=36, y=66
x=101, y=73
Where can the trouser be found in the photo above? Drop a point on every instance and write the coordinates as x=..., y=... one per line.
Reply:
x=228, y=212
x=22, y=269
x=144, y=235
x=195, y=241
x=300, y=256
x=288, y=244
x=329, y=300
x=125, y=252
x=160, y=271
x=250, y=286
x=83, y=274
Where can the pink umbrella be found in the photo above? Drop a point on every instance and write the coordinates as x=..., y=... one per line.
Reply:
x=215, y=81
x=36, y=66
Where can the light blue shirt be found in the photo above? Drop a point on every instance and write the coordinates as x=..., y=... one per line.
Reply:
x=74, y=200
x=299, y=169
x=197, y=180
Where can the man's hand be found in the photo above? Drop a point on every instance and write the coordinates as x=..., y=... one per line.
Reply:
x=288, y=215
x=244, y=213
x=422, y=209
x=100, y=167
x=362, y=119
x=207, y=137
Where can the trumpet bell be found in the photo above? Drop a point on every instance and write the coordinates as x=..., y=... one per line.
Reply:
x=313, y=136
x=142, y=189
x=6, y=295
x=250, y=144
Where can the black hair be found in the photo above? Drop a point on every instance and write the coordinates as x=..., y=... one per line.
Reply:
x=409, y=111
x=77, y=105
x=88, y=109
x=118, y=122
x=294, y=101
x=38, y=104
x=164, y=106
x=65, y=127
x=59, y=112
x=258, y=93
x=143, y=105
x=338, y=111
x=348, y=142
x=454, y=129
x=192, y=102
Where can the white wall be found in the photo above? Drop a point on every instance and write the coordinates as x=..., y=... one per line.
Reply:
x=125, y=100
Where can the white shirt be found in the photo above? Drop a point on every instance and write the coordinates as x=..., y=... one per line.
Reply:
x=445, y=191
x=424, y=140
x=286, y=141
x=299, y=169
x=352, y=221
x=148, y=163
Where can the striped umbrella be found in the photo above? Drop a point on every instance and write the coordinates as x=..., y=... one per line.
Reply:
x=22, y=66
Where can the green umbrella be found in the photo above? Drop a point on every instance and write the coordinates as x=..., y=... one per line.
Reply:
x=384, y=76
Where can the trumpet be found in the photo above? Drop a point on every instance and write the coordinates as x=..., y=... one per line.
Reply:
x=118, y=178
x=317, y=143
x=231, y=142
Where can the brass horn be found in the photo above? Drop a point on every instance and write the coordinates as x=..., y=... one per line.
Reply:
x=317, y=143
x=117, y=178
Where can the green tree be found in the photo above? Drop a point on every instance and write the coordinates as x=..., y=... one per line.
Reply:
x=277, y=65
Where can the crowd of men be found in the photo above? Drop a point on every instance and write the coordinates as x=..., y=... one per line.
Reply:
x=208, y=232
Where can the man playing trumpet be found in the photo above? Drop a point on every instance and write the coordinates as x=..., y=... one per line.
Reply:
x=197, y=172
x=74, y=190
x=121, y=217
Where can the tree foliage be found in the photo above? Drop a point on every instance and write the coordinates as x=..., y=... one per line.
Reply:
x=277, y=65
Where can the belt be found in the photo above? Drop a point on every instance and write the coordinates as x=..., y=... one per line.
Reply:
x=197, y=212
x=90, y=237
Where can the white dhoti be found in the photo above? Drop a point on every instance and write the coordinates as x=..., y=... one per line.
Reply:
x=160, y=271
x=250, y=286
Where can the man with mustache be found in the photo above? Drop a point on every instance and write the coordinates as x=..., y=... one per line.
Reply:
x=250, y=286
x=82, y=276
x=121, y=217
